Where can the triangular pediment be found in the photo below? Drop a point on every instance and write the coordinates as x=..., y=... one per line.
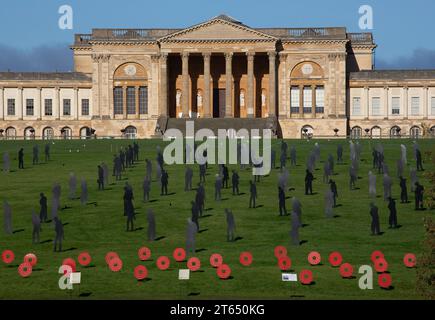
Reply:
x=218, y=29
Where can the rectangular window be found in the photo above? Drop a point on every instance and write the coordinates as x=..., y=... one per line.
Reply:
x=308, y=99
x=143, y=100
x=48, y=106
x=356, y=106
x=295, y=99
x=320, y=99
x=118, y=100
x=29, y=107
x=376, y=106
x=85, y=107
x=11, y=107
x=66, y=107
x=395, y=105
x=432, y=106
x=131, y=100
x=415, y=106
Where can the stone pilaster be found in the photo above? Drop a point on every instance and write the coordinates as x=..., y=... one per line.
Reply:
x=163, y=108
x=250, y=93
x=206, y=97
x=185, y=87
x=284, y=87
x=228, y=84
x=272, y=83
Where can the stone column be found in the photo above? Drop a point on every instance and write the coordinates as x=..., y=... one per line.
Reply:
x=367, y=101
x=250, y=93
x=301, y=100
x=405, y=102
x=425, y=103
x=38, y=104
x=206, y=97
x=185, y=87
x=2, y=104
x=386, y=102
x=56, y=104
x=20, y=108
x=313, y=99
x=284, y=88
x=272, y=83
x=77, y=103
x=228, y=84
x=163, y=110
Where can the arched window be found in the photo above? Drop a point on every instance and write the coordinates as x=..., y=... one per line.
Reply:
x=432, y=131
x=29, y=133
x=130, y=132
x=47, y=133
x=307, y=132
x=11, y=133
x=66, y=133
x=395, y=132
x=85, y=133
x=415, y=132
x=376, y=132
x=356, y=132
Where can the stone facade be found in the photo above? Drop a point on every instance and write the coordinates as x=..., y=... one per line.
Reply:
x=124, y=80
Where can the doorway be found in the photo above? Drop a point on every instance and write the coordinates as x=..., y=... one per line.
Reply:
x=218, y=103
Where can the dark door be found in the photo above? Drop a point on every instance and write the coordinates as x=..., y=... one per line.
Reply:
x=218, y=103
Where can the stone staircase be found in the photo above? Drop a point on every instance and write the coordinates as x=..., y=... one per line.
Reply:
x=225, y=123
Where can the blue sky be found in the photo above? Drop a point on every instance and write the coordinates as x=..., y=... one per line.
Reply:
x=30, y=39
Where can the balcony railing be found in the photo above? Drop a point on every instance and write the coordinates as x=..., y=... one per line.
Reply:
x=316, y=32
x=360, y=37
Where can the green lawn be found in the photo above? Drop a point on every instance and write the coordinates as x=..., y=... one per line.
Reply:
x=101, y=228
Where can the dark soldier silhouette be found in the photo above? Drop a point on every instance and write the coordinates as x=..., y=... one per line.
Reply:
x=21, y=159
x=419, y=190
x=226, y=176
x=35, y=159
x=309, y=182
x=195, y=213
x=339, y=153
x=200, y=198
x=59, y=237
x=334, y=191
x=281, y=199
x=100, y=179
x=392, y=220
x=231, y=225
x=419, y=160
x=235, y=182
x=164, y=180
x=253, y=194
x=43, y=207
x=47, y=152
x=375, y=227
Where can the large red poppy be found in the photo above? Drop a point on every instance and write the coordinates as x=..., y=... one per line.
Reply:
x=381, y=265
x=223, y=271
x=110, y=256
x=384, y=280
x=335, y=259
x=70, y=262
x=280, y=251
x=216, y=260
x=144, y=253
x=31, y=258
x=346, y=270
x=245, y=258
x=314, y=258
x=306, y=277
x=193, y=264
x=163, y=263
x=409, y=260
x=115, y=264
x=377, y=254
x=284, y=263
x=140, y=272
x=8, y=256
x=25, y=269
x=84, y=259
x=179, y=254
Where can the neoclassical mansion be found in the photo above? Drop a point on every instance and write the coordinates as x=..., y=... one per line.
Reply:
x=128, y=82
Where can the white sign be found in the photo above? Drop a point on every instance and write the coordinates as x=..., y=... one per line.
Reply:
x=183, y=274
x=75, y=277
x=289, y=277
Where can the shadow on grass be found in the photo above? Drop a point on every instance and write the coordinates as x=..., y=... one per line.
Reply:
x=18, y=231
x=159, y=238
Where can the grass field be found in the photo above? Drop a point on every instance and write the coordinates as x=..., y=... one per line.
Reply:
x=101, y=228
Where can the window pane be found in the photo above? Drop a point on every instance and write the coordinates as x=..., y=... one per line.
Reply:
x=11, y=107
x=356, y=106
x=29, y=107
x=131, y=100
x=320, y=99
x=85, y=107
x=395, y=105
x=415, y=106
x=376, y=106
x=308, y=99
x=66, y=107
x=143, y=100
x=295, y=99
x=432, y=106
x=48, y=107
x=118, y=100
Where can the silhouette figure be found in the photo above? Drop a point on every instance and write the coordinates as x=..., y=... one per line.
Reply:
x=293, y=156
x=231, y=225
x=419, y=190
x=47, y=152
x=188, y=175
x=60, y=236
x=35, y=159
x=297, y=208
x=200, y=198
x=21, y=159
x=392, y=219
x=146, y=189
x=253, y=194
x=6, y=162
x=372, y=185
x=329, y=202
x=43, y=207
x=388, y=182
x=333, y=187
x=403, y=190
x=202, y=171
x=217, y=187
x=419, y=160
x=36, y=222
x=7, y=211
x=100, y=179
x=294, y=233
x=195, y=213
x=375, y=227
x=281, y=200
x=309, y=182
x=235, y=182
x=340, y=154
x=84, y=192
x=191, y=232
x=164, y=182
x=72, y=186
